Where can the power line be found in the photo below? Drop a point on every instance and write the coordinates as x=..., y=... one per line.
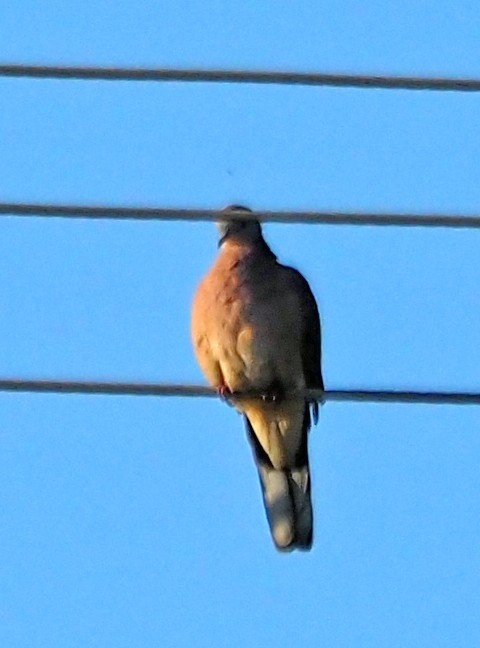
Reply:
x=163, y=213
x=241, y=76
x=168, y=389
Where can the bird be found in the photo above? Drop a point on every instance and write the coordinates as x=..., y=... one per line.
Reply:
x=256, y=334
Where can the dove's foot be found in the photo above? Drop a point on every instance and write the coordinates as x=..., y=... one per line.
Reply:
x=274, y=394
x=224, y=392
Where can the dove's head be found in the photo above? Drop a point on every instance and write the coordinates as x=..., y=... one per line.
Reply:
x=240, y=229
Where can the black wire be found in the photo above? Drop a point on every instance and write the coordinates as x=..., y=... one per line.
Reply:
x=168, y=389
x=163, y=213
x=241, y=76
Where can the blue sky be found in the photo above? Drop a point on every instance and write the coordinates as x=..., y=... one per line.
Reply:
x=138, y=522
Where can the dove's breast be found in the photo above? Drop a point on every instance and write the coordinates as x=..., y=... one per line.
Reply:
x=250, y=325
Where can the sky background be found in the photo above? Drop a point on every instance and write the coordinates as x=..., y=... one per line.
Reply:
x=132, y=522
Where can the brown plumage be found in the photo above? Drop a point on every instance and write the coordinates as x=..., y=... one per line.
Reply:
x=256, y=327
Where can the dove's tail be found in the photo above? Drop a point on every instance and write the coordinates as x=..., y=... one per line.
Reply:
x=286, y=495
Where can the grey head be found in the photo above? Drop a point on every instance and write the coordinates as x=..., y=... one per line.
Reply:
x=238, y=228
